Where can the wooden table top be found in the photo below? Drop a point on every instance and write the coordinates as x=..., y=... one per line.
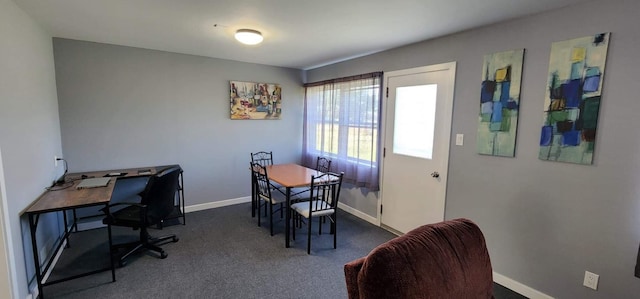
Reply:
x=70, y=197
x=291, y=175
x=67, y=196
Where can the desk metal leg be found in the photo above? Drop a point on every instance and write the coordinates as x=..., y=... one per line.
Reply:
x=75, y=221
x=113, y=269
x=33, y=225
x=287, y=225
x=66, y=228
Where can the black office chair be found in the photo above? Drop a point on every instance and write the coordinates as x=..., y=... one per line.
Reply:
x=157, y=202
x=266, y=195
x=323, y=202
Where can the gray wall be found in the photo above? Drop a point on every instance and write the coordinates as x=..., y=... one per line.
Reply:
x=127, y=107
x=29, y=133
x=545, y=222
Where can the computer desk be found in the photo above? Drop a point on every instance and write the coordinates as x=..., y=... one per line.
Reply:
x=67, y=198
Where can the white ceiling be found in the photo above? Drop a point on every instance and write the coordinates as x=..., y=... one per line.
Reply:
x=300, y=34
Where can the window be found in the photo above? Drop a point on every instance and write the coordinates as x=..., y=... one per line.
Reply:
x=411, y=122
x=342, y=123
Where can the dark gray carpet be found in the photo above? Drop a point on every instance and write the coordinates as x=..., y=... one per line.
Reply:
x=222, y=253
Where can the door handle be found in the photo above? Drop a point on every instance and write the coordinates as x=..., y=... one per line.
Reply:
x=435, y=174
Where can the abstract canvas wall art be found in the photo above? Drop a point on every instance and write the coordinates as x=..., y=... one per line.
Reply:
x=499, y=103
x=250, y=100
x=572, y=99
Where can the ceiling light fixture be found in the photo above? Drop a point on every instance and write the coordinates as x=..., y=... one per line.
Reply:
x=249, y=36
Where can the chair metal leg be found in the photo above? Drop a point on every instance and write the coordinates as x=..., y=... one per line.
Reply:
x=253, y=196
x=309, y=236
x=334, y=219
x=293, y=217
x=335, y=233
x=271, y=218
x=259, y=207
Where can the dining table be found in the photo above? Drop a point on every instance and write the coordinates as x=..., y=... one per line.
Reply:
x=290, y=176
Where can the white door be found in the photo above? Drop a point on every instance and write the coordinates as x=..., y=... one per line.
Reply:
x=419, y=109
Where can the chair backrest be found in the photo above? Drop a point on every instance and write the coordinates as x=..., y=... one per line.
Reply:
x=160, y=194
x=323, y=164
x=262, y=158
x=261, y=180
x=325, y=192
x=442, y=260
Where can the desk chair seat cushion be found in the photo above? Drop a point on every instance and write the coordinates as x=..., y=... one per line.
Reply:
x=442, y=260
x=129, y=217
x=317, y=207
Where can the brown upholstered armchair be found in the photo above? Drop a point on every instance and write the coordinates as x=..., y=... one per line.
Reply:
x=442, y=260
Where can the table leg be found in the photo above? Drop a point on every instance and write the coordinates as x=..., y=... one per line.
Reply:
x=287, y=225
x=33, y=225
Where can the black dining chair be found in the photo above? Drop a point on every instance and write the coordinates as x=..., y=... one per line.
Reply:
x=324, y=195
x=267, y=196
x=265, y=159
x=323, y=164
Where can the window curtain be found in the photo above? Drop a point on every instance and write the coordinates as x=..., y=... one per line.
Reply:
x=342, y=123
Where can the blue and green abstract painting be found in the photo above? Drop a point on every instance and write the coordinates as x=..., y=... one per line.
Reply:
x=499, y=103
x=572, y=99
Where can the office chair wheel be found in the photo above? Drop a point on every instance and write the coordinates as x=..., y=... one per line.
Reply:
x=175, y=239
x=163, y=255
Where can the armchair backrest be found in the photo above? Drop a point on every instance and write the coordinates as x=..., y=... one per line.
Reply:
x=160, y=194
x=442, y=260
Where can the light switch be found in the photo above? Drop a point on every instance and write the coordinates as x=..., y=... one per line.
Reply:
x=459, y=139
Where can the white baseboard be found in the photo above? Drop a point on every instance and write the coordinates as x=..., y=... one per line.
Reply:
x=359, y=214
x=45, y=276
x=519, y=287
x=217, y=204
x=90, y=225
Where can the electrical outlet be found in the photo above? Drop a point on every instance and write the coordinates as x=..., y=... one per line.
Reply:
x=55, y=161
x=459, y=139
x=591, y=280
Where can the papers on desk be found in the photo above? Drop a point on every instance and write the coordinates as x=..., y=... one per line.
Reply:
x=93, y=183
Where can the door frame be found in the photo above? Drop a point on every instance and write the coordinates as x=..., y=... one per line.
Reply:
x=451, y=67
x=8, y=268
